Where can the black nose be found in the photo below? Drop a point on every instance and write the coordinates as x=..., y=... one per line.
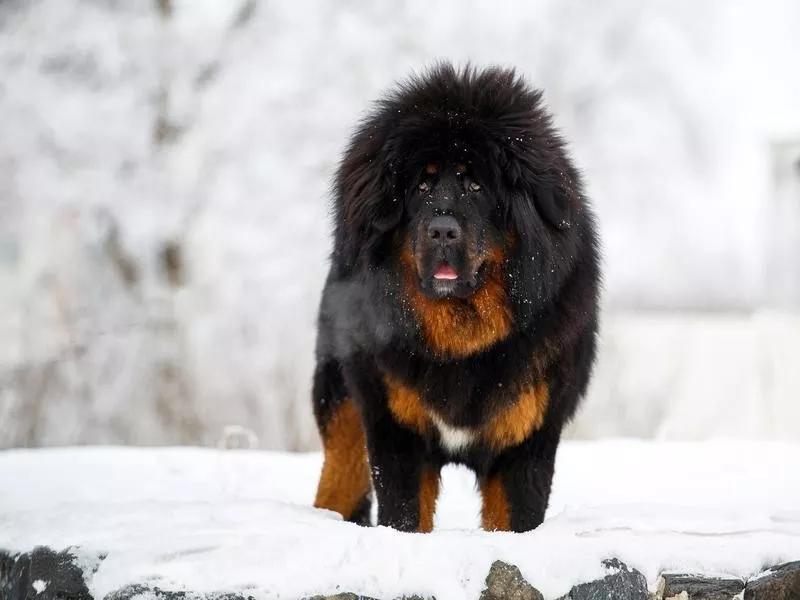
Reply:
x=444, y=229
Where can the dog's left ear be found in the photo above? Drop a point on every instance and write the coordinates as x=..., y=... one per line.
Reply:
x=550, y=190
x=552, y=203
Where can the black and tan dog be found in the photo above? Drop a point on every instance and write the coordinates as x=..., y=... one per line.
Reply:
x=459, y=317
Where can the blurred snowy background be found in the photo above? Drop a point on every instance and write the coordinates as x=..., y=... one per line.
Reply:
x=164, y=229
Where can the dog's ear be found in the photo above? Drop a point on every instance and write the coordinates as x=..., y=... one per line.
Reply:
x=538, y=214
x=550, y=189
x=368, y=202
x=552, y=203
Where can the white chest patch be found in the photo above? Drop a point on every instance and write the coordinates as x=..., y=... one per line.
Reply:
x=453, y=438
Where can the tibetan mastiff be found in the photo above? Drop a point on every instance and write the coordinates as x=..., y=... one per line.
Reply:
x=459, y=316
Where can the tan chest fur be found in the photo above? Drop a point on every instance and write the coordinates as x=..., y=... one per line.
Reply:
x=454, y=327
x=508, y=427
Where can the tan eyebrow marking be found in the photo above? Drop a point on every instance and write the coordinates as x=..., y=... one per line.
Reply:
x=431, y=168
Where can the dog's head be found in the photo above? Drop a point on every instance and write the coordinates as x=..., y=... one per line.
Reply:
x=462, y=172
x=453, y=232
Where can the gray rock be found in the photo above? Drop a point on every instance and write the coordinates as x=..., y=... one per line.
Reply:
x=505, y=582
x=782, y=583
x=697, y=587
x=623, y=584
x=43, y=574
x=342, y=596
x=145, y=592
x=352, y=596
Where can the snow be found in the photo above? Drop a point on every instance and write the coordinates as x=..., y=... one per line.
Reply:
x=210, y=520
x=39, y=586
x=672, y=376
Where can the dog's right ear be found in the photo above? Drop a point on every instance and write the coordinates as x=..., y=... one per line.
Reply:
x=367, y=202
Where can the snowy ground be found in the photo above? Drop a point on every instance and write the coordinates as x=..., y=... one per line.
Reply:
x=205, y=520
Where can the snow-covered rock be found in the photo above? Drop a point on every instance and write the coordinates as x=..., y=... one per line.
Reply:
x=621, y=583
x=680, y=586
x=778, y=583
x=505, y=582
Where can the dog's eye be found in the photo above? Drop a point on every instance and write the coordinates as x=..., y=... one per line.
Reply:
x=474, y=187
x=423, y=187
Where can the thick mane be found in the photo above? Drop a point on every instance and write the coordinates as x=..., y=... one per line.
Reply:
x=499, y=123
x=495, y=100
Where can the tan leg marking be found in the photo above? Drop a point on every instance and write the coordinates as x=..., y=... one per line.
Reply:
x=510, y=426
x=495, y=513
x=428, y=493
x=345, y=478
x=406, y=405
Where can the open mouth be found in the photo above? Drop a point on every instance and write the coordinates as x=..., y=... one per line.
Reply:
x=446, y=281
x=445, y=272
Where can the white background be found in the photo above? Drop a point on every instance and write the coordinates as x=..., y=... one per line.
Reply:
x=215, y=126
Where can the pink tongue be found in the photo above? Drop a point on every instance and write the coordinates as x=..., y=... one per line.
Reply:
x=445, y=271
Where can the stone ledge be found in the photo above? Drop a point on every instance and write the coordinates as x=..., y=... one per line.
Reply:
x=45, y=574
x=681, y=586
